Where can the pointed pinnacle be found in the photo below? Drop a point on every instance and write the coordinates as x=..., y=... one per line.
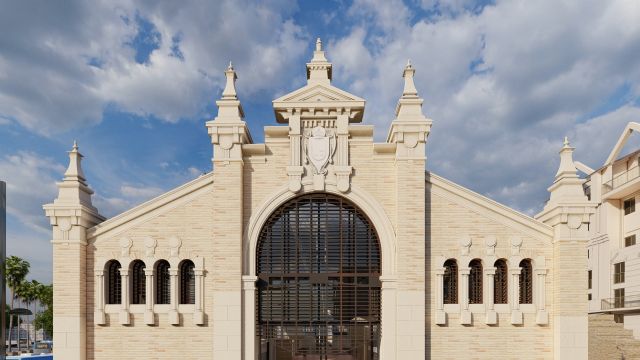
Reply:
x=566, y=141
x=75, y=145
x=318, y=44
x=230, y=67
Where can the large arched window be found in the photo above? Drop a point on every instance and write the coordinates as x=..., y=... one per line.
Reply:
x=526, y=283
x=475, y=282
x=114, y=287
x=500, y=284
x=138, y=284
x=163, y=283
x=187, y=282
x=318, y=264
x=450, y=282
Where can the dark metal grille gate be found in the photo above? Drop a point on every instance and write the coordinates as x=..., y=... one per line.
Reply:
x=318, y=263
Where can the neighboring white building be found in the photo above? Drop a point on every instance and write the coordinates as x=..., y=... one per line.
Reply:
x=613, y=250
x=320, y=244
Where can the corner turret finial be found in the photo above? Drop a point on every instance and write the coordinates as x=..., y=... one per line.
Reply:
x=567, y=168
x=318, y=44
x=410, y=90
x=74, y=170
x=229, y=92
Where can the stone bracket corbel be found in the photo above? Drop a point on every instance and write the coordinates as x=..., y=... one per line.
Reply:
x=343, y=177
x=295, y=178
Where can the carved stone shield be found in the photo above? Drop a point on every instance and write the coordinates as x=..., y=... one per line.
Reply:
x=319, y=149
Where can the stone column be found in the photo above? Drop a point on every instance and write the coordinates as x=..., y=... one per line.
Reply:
x=124, y=317
x=198, y=313
x=465, y=314
x=149, y=316
x=516, y=313
x=542, y=317
x=441, y=316
x=250, y=348
x=491, y=317
x=174, y=318
x=99, y=317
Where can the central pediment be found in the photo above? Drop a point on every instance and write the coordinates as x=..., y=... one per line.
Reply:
x=319, y=98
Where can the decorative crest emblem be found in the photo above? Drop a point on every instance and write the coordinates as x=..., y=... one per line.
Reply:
x=320, y=148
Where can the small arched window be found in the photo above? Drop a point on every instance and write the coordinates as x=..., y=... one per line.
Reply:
x=526, y=282
x=475, y=282
x=187, y=282
x=450, y=282
x=500, y=285
x=138, y=284
x=114, y=284
x=163, y=281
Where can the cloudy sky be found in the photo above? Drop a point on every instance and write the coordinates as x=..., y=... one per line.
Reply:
x=134, y=83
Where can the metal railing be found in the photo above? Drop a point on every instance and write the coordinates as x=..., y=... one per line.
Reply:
x=621, y=179
x=623, y=302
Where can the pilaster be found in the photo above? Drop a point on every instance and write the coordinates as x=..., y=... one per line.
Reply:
x=569, y=212
x=228, y=134
x=70, y=215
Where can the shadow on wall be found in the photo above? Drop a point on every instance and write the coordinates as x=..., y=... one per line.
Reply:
x=427, y=266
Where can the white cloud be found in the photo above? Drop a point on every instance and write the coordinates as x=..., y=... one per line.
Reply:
x=503, y=85
x=31, y=182
x=71, y=62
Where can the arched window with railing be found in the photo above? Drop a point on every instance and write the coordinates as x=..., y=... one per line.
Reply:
x=475, y=282
x=138, y=282
x=187, y=282
x=114, y=282
x=450, y=282
x=500, y=284
x=526, y=282
x=163, y=282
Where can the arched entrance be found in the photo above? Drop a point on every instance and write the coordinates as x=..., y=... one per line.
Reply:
x=318, y=262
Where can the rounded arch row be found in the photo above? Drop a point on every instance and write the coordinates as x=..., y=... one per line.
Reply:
x=475, y=281
x=149, y=286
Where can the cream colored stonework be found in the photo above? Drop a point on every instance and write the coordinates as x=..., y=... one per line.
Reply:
x=421, y=220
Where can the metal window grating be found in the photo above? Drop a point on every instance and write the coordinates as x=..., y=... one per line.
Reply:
x=475, y=282
x=163, y=283
x=114, y=284
x=138, y=283
x=318, y=263
x=450, y=282
x=500, y=287
x=187, y=282
x=526, y=282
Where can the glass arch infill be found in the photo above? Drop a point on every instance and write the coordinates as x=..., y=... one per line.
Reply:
x=318, y=290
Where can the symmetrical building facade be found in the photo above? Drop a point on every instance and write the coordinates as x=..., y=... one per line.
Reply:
x=320, y=244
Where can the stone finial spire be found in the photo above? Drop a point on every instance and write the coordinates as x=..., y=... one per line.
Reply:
x=567, y=168
x=319, y=68
x=229, y=92
x=74, y=170
x=410, y=90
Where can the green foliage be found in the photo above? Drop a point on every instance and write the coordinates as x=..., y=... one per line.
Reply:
x=44, y=320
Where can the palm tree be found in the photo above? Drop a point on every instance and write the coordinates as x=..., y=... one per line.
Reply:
x=16, y=269
x=30, y=295
x=44, y=319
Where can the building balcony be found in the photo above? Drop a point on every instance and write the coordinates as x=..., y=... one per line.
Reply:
x=622, y=184
x=621, y=304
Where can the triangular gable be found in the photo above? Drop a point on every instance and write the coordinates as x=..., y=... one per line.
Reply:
x=153, y=207
x=309, y=93
x=622, y=140
x=488, y=208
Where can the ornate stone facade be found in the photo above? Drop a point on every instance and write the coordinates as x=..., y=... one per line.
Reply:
x=432, y=296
